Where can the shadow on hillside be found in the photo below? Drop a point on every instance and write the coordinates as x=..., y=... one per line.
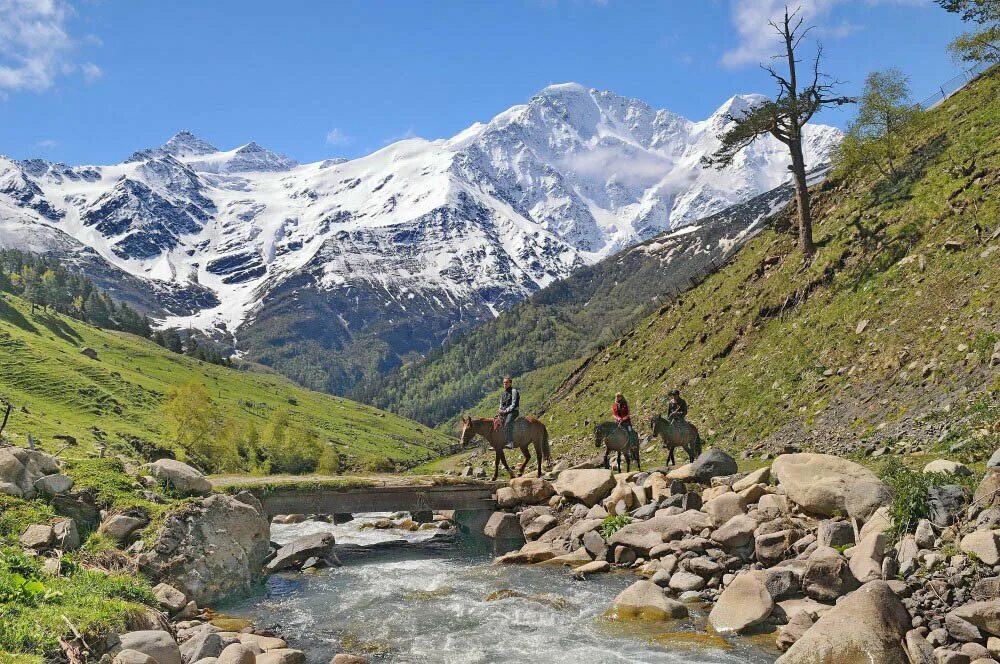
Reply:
x=912, y=171
x=58, y=327
x=15, y=317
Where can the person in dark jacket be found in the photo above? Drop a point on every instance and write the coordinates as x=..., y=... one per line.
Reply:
x=510, y=404
x=677, y=408
x=621, y=412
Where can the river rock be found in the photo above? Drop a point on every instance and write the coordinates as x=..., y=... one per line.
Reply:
x=132, y=657
x=866, y=560
x=282, y=656
x=771, y=548
x=773, y=505
x=759, y=476
x=725, y=507
x=819, y=483
x=209, y=549
x=682, y=581
x=532, y=552
x=593, y=567
x=713, y=462
x=984, y=615
x=588, y=485
x=946, y=503
x=988, y=492
x=864, y=497
x=644, y=535
x=531, y=490
x=919, y=650
x=827, y=575
x=505, y=497
x=180, y=477
x=539, y=525
x=879, y=522
x=735, y=533
x=644, y=600
x=155, y=643
x=21, y=468
x=744, y=603
x=238, y=653
x=343, y=658
x=503, y=526
x=169, y=598
x=947, y=466
x=204, y=643
x=793, y=630
x=834, y=533
x=316, y=545
x=866, y=627
x=984, y=544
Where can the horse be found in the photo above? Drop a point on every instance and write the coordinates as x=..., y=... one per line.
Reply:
x=678, y=433
x=618, y=439
x=527, y=431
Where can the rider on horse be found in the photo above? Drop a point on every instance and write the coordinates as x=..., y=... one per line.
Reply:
x=677, y=408
x=510, y=403
x=621, y=412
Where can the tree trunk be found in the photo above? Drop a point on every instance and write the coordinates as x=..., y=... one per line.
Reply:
x=802, y=198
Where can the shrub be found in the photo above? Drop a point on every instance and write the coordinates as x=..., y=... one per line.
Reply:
x=909, y=494
x=612, y=524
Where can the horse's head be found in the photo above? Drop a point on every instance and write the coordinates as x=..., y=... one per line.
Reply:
x=654, y=423
x=467, y=431
x=598, y=437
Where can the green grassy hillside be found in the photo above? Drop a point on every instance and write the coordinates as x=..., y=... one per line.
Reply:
x=883, y=340
x=118, y=399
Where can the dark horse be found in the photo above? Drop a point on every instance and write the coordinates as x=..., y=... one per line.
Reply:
x=677, y=433
x=527, y=431
x=617, y=439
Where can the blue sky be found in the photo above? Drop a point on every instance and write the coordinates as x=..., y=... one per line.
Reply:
x=90, y=81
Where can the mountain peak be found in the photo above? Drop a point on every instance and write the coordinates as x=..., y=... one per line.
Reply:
x=186, y=144
x=738, y=104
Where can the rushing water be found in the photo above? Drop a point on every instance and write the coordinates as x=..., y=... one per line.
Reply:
x=426, y=601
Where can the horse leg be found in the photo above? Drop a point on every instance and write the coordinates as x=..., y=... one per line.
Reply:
x=619, y=456
x=503, y=458
x=607, y=453
x=496, y=465
x=527, y=457
x=670, y=457
x=538, y=453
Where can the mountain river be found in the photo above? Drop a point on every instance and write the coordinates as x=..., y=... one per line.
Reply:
x=421, y=598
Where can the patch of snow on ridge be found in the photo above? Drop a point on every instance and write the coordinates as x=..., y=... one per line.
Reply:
x=480, y=220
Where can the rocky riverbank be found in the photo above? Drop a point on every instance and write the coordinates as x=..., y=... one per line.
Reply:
x=806, y=549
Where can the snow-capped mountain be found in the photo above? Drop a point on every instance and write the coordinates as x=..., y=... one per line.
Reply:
x=377, y=257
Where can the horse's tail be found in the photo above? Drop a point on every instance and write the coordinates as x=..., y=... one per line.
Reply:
x=545, y=443
x=697, y=444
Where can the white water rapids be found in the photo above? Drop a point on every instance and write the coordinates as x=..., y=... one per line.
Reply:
x=423, y=602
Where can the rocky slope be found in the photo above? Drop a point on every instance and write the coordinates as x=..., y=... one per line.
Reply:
x=333, y=271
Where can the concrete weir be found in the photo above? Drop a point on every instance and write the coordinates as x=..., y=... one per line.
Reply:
x=316, y=499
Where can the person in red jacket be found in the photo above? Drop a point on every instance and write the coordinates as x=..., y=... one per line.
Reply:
x=621, y=412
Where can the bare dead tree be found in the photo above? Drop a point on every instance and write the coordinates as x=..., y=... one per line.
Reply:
x=784, y=117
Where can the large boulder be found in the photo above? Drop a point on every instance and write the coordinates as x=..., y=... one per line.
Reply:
x=180, y=477
x=988, y=493
x=820, y=483
x=735, y=533
x=866, y=627
x=644, y=600
x=984, y=615
x=946, y=503
x=984, y=544
x=866, y=560
x=827, y=575
x=531, y=490
x=21, y=468
x=713, y=462
x=503, y=526
x=725, y=507
x=644, y=535
x=155, y=643
x=588, y=485
x=745, y=603
x=209, y=549
x=292, y=555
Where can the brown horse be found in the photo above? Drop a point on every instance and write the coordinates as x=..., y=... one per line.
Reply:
x=676, y=433
x=617, y=439
x=527, y=431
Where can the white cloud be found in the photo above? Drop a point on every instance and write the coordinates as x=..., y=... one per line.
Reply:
x=47, y=143
x=35, y=45
x=757, y=40
x=91, y=72
x=337, y=137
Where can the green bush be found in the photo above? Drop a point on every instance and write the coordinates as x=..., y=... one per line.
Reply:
x=612, y=524
x=909, y=494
